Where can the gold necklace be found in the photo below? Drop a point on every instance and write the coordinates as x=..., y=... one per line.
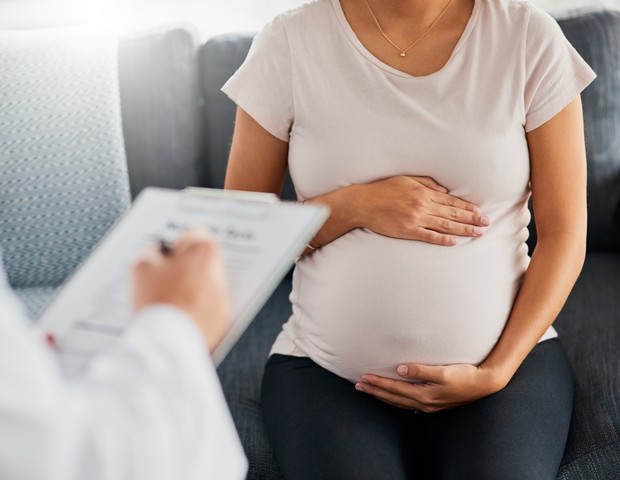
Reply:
x=403, y=52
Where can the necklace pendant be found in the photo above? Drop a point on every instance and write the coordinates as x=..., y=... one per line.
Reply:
x=403, y=54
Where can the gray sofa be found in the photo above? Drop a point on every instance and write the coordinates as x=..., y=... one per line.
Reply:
x=177, y=127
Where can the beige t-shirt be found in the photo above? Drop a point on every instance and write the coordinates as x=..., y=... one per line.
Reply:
x=366, y=302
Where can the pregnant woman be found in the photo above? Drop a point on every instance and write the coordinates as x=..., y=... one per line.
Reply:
x=421, y=342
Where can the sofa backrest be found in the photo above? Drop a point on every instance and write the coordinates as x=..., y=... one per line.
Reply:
x=219, y=58
x=596, y=36
x=162, y=111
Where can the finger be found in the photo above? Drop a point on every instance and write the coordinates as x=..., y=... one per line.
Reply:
x=422, y=373
x=460, y=215
x=149, y=259
x=397, y=387
x=430, y=395
x=149, y=255
x=441, y=225
x=432, y=184
x=435, y=238
x=452, y=201
x=412, y=400
x=191, y=237
x=389, y=397
x=194, y=243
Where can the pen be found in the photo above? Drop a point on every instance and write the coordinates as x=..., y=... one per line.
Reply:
x=165, y=247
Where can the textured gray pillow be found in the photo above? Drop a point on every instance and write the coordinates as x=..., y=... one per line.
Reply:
x=63, y=176
x=596, y=35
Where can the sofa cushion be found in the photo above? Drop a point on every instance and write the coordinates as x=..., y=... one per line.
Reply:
x=596, y=36
x=589, y=328
x=161, y=110
x=63, y=176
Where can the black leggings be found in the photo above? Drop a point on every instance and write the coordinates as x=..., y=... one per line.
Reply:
x=321, y=428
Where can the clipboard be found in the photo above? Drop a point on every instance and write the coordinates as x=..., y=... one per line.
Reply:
x=259, y=236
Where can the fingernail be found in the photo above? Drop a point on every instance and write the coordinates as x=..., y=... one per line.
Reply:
x=453, y=240
x=402, y=370
x=478, y=231
x=485, y=221
x=51, y=340
x=359, y=387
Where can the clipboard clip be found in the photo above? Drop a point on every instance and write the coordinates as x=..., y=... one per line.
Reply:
x=256, y=205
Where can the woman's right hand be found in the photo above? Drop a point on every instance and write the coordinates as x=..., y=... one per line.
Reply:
x=417, y=208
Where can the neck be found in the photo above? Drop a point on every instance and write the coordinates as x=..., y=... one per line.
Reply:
x=421, y=11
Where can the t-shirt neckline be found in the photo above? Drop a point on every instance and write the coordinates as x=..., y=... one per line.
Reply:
x=344, y=23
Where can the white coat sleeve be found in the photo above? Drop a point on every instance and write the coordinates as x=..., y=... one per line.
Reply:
x=152, y=408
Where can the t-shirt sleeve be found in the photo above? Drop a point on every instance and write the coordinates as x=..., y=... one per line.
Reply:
x=555, y=72
x=262, y=86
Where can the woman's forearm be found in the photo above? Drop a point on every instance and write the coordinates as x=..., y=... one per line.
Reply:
x=554, y=268
x=558, y=180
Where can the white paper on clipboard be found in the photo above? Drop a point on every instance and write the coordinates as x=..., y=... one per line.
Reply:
x=259, y=236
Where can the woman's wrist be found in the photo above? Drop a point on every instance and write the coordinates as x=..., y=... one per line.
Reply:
x=497, y=374
x=352, y=206
x=346, y=212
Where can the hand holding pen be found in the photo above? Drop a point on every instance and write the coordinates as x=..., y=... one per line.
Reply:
x=187, y=273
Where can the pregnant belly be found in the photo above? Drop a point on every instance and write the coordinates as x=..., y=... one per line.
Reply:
x=366, y=303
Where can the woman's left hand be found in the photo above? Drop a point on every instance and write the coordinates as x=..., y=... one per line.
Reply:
x=432, y=388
